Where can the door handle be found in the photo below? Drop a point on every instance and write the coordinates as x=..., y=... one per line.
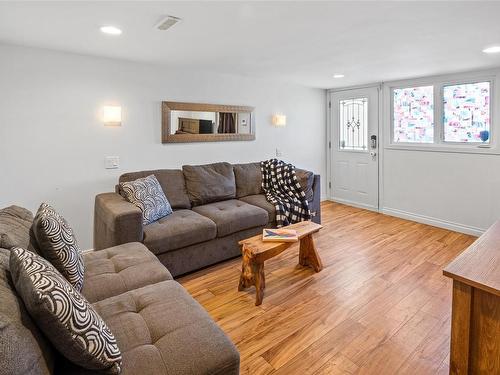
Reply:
x=373, y=141
x=373, y=154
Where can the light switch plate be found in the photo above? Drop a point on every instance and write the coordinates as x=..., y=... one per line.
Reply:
x=112, y=162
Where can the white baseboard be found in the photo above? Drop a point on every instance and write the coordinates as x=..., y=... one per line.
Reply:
x=450, y=225
x=474, y=231
x=355, y=204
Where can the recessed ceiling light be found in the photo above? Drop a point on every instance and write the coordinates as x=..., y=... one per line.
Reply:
x=111, y=30
x=494, y=49
x=338, y=76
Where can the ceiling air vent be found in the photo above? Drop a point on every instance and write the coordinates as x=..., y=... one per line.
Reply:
x=167, y=22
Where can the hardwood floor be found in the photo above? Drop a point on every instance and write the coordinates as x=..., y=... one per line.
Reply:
x=380, y=306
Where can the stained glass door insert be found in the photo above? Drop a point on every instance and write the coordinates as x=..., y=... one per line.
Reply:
x=353, y=119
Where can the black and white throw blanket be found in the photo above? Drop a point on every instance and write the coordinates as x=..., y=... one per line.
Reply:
x=283, y=190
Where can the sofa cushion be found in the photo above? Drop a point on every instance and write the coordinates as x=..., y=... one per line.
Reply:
x=248, y=179
x=63, y=314
x=57, y=243
x=209, y=183
x=121, y=268
x=15, y=223
x=180, y=229
x=233, y=216
x=23, y=348
x=161, y=329
x=147, y=194
x=306, y=181
x=260, y=200
x=171, y=181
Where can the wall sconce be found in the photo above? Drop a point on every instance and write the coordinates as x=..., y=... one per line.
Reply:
x=112, y=115
x=279, y=121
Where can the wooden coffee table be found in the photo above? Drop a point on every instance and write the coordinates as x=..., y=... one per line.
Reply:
x=255, y=252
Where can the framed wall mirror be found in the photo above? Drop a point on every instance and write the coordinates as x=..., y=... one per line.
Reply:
x=195, y=122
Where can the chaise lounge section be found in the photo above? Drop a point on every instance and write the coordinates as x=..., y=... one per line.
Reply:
x=215, y=206
x=160, y=329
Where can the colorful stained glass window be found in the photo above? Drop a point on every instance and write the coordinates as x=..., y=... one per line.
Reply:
x=466, y=111
x=413, y=116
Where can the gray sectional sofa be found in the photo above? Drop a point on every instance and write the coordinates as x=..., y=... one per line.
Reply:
x=215, y=206
x=160, y=329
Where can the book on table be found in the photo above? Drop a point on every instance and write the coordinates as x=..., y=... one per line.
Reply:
x=279, y=235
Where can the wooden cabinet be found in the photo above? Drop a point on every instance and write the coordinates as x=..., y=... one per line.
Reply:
x=475, y=325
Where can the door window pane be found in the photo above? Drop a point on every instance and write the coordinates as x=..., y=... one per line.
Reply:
x=413, y=116
x=466, y=112
x=353, y=120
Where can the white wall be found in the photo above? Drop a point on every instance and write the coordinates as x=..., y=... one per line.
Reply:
x=53, y=144
x=459, y=191
x=455, y=191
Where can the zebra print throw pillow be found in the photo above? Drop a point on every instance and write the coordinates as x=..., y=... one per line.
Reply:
x=147, y=194
x=66, y=318
x=57, y=243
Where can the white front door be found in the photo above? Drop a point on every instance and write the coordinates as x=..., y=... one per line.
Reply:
x=354, y=146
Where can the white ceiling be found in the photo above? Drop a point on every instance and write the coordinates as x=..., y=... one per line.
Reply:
x=302, y=42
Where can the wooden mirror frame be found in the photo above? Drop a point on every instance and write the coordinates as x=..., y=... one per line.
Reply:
x=166, y=126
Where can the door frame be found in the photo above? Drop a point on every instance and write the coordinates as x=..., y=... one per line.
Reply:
x=380, y=141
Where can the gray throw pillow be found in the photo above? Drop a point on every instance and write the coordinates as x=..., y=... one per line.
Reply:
x=209, y=183
x=56, y=242
x=15, y=222
x=306, y=181
x=66, y=318
x=147, y=194
x=248, y=178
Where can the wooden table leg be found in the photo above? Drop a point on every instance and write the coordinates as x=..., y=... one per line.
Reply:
x=246, y=277
x=308, y=255
x=252, y=273
x=461, y=317
x=260, y=282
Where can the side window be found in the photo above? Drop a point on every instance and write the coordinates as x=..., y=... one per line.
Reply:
x=466, y=112
x=413, y=115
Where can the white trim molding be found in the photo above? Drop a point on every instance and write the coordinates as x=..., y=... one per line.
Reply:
x=435, y=222
x=354, y=204
x=456, y=227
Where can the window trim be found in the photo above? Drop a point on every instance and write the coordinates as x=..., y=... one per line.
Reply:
x=439, y=144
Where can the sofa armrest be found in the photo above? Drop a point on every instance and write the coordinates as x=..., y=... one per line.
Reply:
x=116, y=221
x=315, y=205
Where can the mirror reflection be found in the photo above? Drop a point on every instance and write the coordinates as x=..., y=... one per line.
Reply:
x=196, y=122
